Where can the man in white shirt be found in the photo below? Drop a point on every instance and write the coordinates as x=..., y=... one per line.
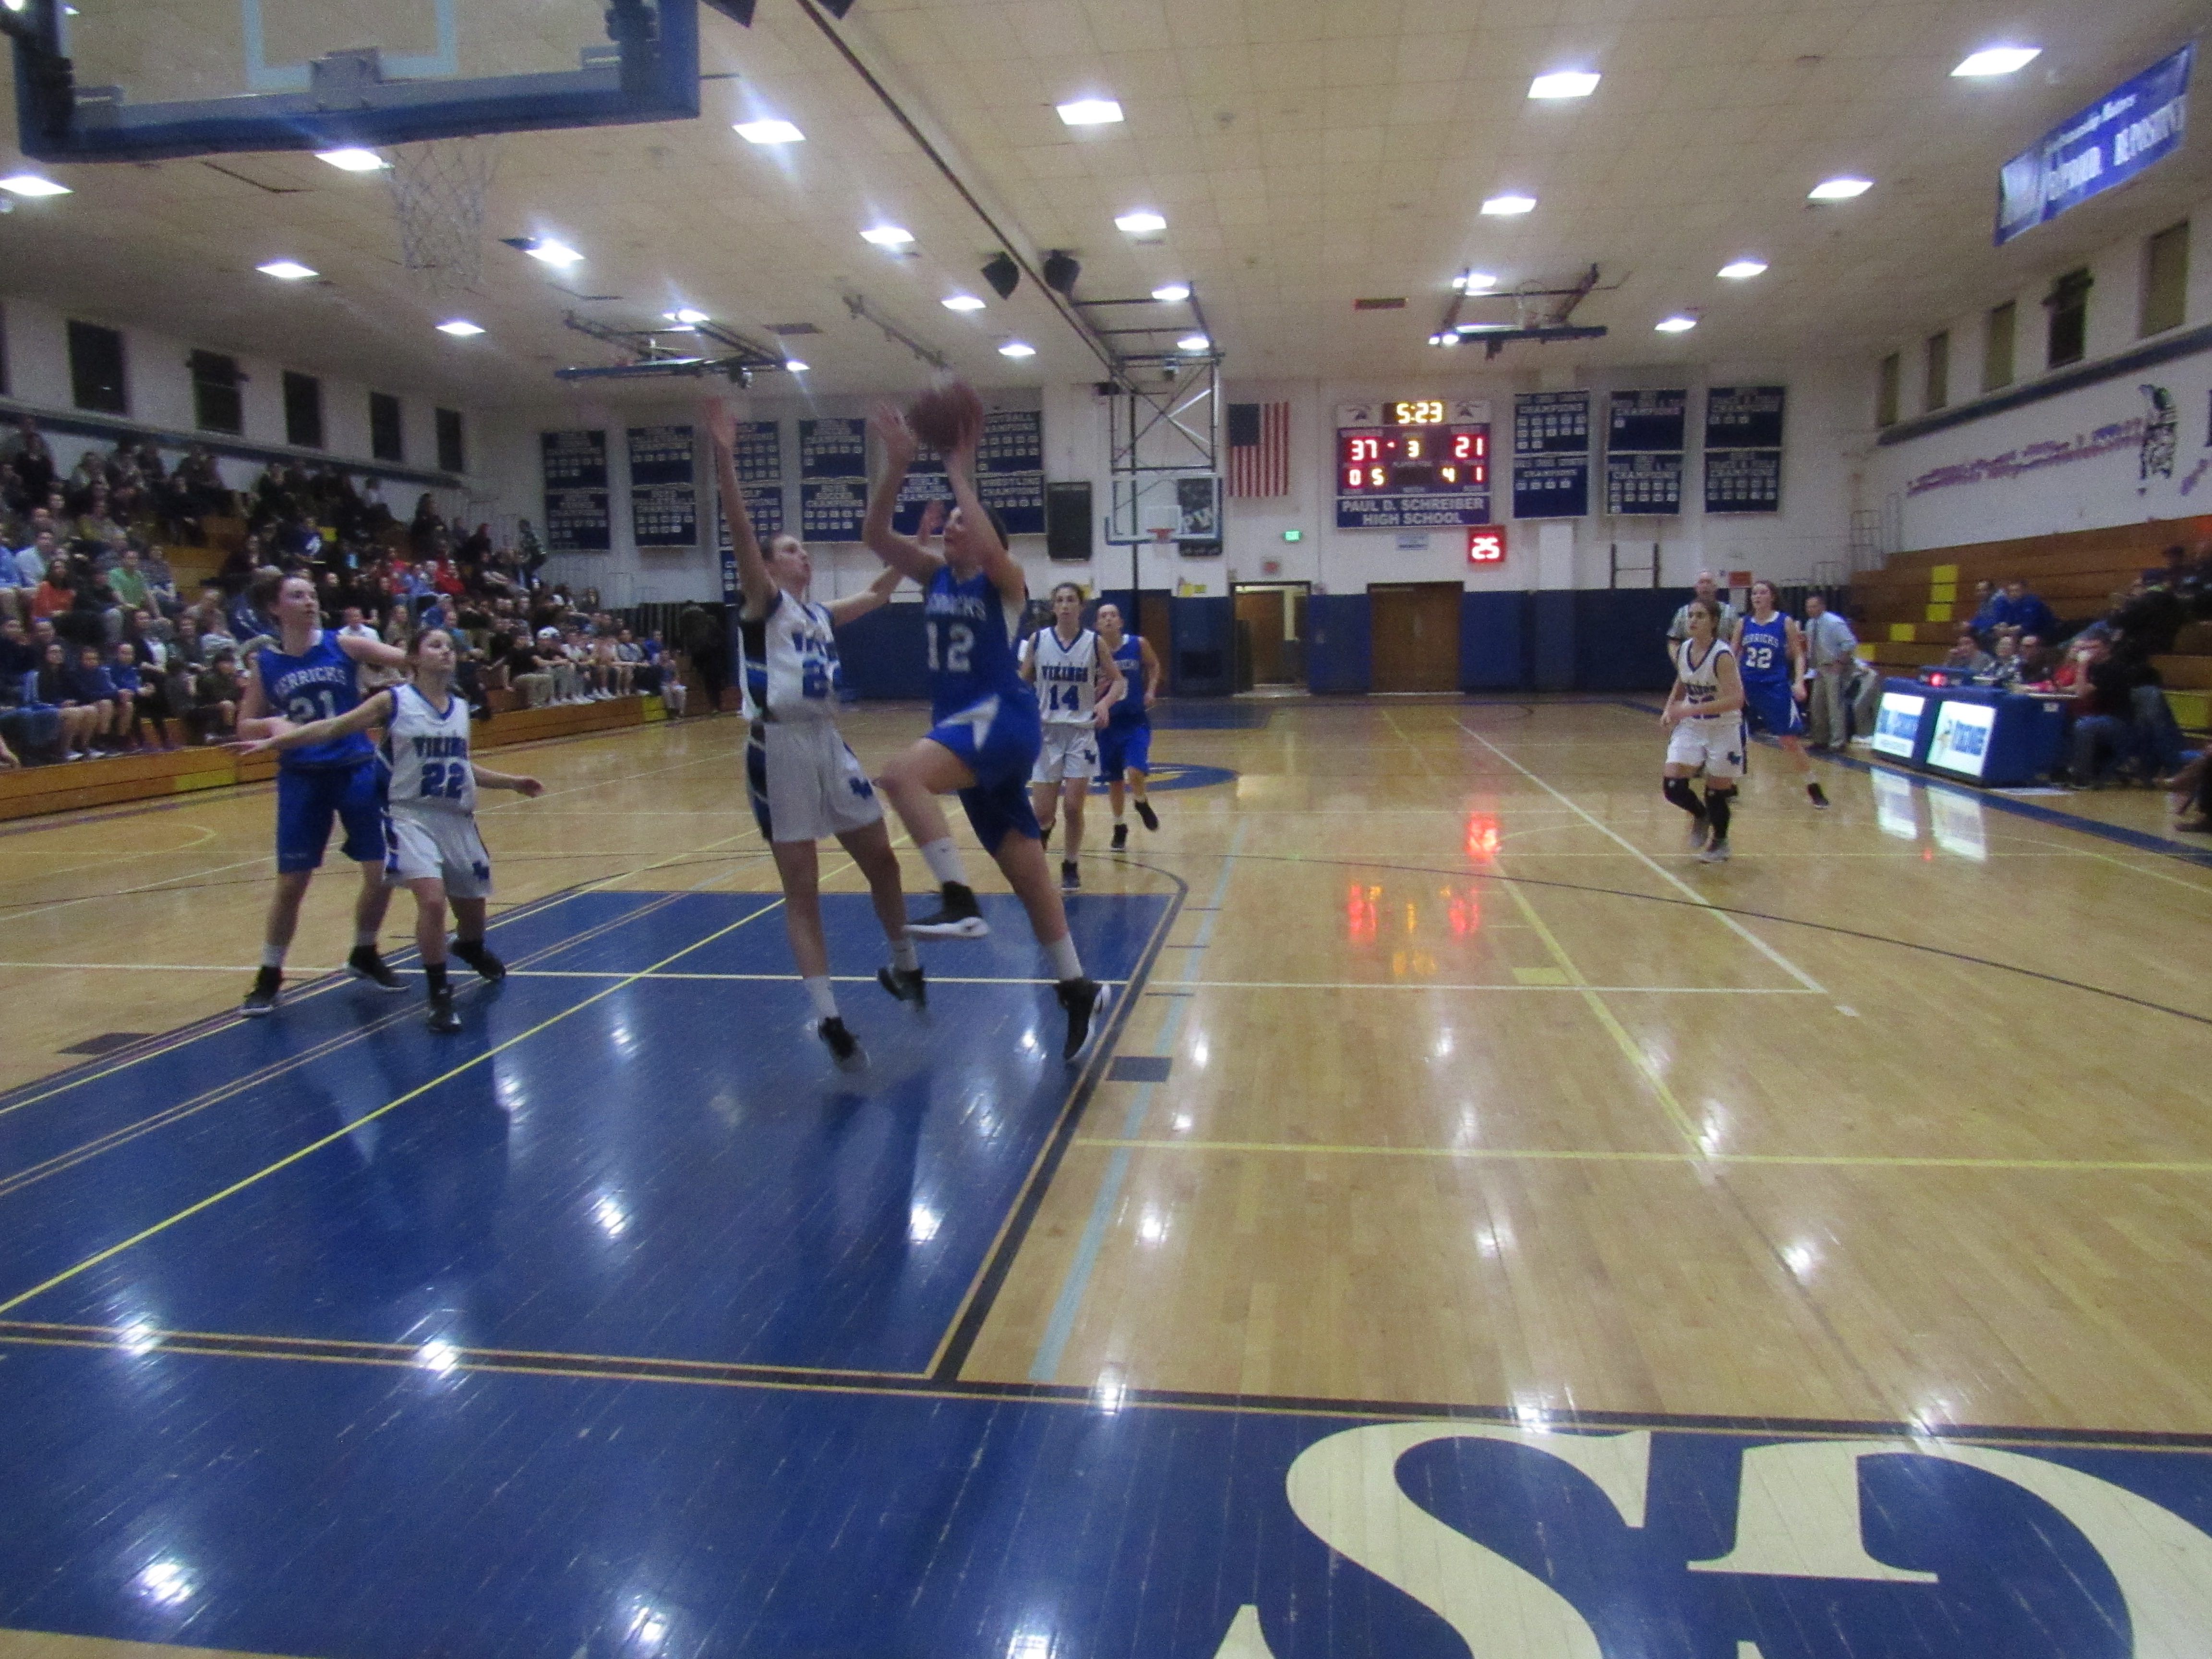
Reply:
x=1678, y=629
x=1831, y=653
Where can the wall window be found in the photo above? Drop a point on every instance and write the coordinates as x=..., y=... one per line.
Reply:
x=218, y=405
x=2165, y=279
x=452, y=454
x=1885, y=397
x=387, y=442
x=1937, y=391
x=96, y=379
x=1997, y=347
x=303, y=410
x=2067, y=307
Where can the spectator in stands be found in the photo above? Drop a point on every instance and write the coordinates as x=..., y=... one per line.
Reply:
x=527, y=671
x=26, y=453
x=213, y=711
x=54, y=593
x=1832, y=654
x=2037, y=661
x=79, y=721
x=90, y=684
x=1966, y=656
x=1984, y=622
x=2018, y=609
x=2005, y=665
x=137, y=697
x=34, y=727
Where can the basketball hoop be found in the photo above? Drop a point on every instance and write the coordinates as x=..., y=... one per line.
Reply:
x=438, y=191
x=1163, y=534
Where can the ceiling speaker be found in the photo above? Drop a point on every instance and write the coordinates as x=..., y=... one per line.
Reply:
x=1061, y=271
x=1003, y=275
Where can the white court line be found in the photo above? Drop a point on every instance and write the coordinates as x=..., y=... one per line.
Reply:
x=516, y=973
x=1657, y=868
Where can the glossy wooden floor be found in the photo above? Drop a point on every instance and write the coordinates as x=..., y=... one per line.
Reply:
x=1481, y=1091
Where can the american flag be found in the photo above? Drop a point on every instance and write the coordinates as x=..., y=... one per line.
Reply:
x=1259, y=450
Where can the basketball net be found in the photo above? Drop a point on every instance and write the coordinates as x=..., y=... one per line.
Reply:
x=1163, y=534
x=438, y=191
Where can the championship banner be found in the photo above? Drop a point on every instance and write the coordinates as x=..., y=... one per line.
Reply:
x=664, y=487
x=578, y=516
x=2099, y=149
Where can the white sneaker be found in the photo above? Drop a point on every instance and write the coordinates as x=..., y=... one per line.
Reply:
x=74, y=754
x=1698, y=830
x=1717, y=853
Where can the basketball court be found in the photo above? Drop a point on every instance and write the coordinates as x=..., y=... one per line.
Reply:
x=1453, y=1116
x=1480, y=1228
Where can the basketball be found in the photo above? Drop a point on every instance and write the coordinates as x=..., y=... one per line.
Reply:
x=942, y=413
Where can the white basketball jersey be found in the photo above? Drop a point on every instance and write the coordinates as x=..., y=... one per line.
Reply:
x=791, y=662
x=429, y=752
x=1701, y=680
x=1067, y=676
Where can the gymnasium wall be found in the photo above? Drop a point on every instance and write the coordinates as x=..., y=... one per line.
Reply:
x=160, y=391
x=2018, y=463
x=1820, y=459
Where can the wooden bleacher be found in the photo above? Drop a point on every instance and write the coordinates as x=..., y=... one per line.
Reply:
x=1908, y=612
x=30, y=791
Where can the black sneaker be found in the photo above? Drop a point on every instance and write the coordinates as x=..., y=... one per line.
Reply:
x=844, y=1048
x=1820, y=796
x=366, y=964
x=1045, y=837
x=1071, y=878
x=478, y=956
x=906, y=984
x=1083, y=998
x=266, y=994
x=956, y=915
x=1145, y=811
x=442, y=1018
x=1120, y=837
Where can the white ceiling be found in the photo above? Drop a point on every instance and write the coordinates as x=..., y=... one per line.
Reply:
x=1306, y=153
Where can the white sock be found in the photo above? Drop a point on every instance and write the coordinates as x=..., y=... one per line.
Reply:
x=825, y=1000
x=272, y=956
x=904, y=956
x=943, y=858
x=1066, y=965
x=1117, y=815
x=364, y=939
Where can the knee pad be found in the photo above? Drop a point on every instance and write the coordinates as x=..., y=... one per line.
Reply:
x=1678, y=790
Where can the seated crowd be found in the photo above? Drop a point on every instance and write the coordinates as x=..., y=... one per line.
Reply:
x=100, y=654
x=2121, y=728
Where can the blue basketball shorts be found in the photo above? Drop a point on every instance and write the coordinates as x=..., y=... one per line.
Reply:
x=1124, y=749
x=1770, y=708
x=310, y=798
x=997, y=739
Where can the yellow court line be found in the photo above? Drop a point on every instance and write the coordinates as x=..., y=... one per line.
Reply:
x=407, y=1351
x=1784, y=1160
x=236, y=1187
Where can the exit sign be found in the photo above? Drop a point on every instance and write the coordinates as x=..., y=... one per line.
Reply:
x=1486, y=544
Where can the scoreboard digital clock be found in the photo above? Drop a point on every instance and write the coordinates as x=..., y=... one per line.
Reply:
x=1407, y=462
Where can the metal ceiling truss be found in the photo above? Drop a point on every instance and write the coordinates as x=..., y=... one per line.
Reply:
x=1534, y=319
x=673, y=350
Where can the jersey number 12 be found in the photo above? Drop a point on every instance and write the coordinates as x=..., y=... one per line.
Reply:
x=959, y=645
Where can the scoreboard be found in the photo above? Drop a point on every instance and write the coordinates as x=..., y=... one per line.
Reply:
x=1412, y=462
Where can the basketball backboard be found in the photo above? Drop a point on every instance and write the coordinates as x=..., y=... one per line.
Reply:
x=113, y=80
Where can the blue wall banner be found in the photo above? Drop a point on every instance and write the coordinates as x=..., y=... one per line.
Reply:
x=760, y=474
x=1647, y=485
x=833, y=479
x=1551, y=454
x=926, y=481
x=577, y=515
x=2097, y=148
x=1743, y=480
x=1010, y=468
x=1647, y=422
x=1745, y=416
x=1551, y=486
x=663, y=489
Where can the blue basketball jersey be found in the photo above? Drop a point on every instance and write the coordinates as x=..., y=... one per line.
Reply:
x=1129, y=708
x=1764, y=657
x=970, y=630
x=317, y=684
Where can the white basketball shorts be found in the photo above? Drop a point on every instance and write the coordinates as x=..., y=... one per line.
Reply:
x=805, y=783
x=1716, y=743
x=421, y=843
x=1070, y=752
